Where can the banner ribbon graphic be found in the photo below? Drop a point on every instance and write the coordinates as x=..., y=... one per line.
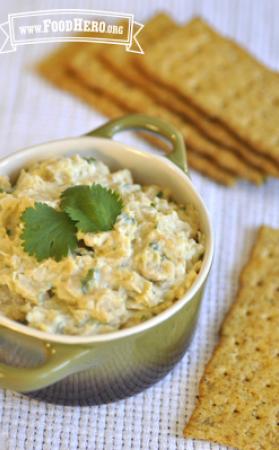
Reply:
x=70, y=25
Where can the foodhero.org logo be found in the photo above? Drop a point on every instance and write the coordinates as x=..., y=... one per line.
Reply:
x=70, y=25
x=76, y=25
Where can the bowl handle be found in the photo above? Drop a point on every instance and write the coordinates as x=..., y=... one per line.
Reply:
x=153, y=124
x=61, y=360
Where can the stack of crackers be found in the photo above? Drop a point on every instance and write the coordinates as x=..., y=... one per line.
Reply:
x=238, y=403
x=224, y=102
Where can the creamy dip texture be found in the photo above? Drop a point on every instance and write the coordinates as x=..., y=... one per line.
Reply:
x=115, y=279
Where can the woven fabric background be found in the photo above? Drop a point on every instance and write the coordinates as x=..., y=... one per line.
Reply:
x=31, y=112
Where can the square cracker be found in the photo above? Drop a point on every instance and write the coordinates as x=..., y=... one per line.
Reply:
x=222, y=80
x=239, y=391
x=128, y=66
x=92, y=71
x=55, y=69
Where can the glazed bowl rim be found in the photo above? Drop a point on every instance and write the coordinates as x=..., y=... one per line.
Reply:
x=145, y=325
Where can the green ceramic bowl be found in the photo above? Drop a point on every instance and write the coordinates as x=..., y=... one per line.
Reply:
x=99, y=369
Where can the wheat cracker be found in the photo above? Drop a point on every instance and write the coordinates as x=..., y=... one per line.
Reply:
x=222, y=80
x=239, y=391
x=128, y=66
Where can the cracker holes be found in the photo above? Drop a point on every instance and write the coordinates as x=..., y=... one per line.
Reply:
x=269, y=318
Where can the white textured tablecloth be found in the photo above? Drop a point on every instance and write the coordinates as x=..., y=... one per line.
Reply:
x=31, y=112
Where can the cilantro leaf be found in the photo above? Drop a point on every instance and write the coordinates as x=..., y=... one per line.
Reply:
x=47, y=232
x=86, y=281
x=93, y=208
x=90, y=159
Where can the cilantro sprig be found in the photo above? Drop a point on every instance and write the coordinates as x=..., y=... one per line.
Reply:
x=49, y=233
x=93, y=208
